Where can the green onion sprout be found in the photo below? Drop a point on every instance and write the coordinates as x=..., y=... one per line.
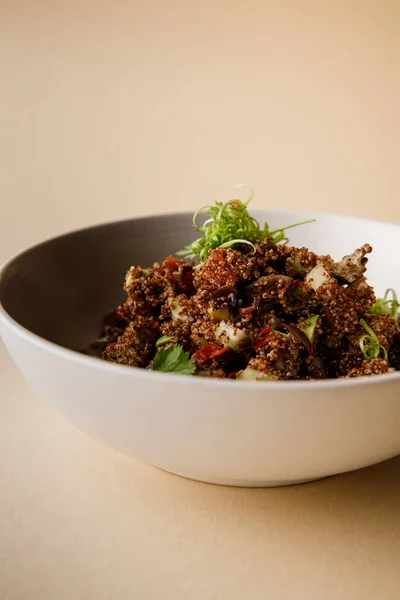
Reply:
x=369, y=343
x=387, y=306
x=231, y=224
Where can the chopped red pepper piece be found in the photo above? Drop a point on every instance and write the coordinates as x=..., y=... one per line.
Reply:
x=217, y=255
x=266, y=329
x=247, y=310
x=261, y=342
x=208, y=352
x=265, y=339
x=233, y=375
x=172, y=264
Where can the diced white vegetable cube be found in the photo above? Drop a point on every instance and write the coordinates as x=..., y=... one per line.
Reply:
x=236, y=336
x=250, y=374
x=178, y=311
x=317, y=277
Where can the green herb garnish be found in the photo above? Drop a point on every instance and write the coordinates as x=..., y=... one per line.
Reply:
x=174, y=360
x=369, y=343
x=308, y=326
x=230, y=224
x=387, y=306
x=162, y=341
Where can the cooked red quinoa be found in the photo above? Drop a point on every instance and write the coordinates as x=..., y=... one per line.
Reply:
x=275, y=313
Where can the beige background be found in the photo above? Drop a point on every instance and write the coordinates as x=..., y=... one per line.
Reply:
x=108, y=110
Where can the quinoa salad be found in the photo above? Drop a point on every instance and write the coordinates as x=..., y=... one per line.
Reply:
x=241, y=303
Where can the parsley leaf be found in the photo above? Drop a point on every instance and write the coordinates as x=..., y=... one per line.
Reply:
x=174, y=360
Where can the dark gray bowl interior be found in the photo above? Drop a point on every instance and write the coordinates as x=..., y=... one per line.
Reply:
x=62, y=288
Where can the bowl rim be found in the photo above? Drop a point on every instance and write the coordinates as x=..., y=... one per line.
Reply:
x=272, y=386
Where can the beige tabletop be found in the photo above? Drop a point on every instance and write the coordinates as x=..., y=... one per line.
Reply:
x=113, y=109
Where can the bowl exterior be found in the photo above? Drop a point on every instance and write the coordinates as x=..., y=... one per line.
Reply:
x=232, y=434
x=226, y=432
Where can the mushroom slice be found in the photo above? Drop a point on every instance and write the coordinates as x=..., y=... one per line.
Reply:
x=351, y=267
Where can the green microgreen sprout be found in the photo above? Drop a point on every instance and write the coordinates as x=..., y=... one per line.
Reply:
x=231, y=224
x=386, y=305
x=369, y=343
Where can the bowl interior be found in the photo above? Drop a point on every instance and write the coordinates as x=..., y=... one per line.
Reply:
x=62, y=288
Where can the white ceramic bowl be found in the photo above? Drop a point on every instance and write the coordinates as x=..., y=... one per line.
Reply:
x=53, y=297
